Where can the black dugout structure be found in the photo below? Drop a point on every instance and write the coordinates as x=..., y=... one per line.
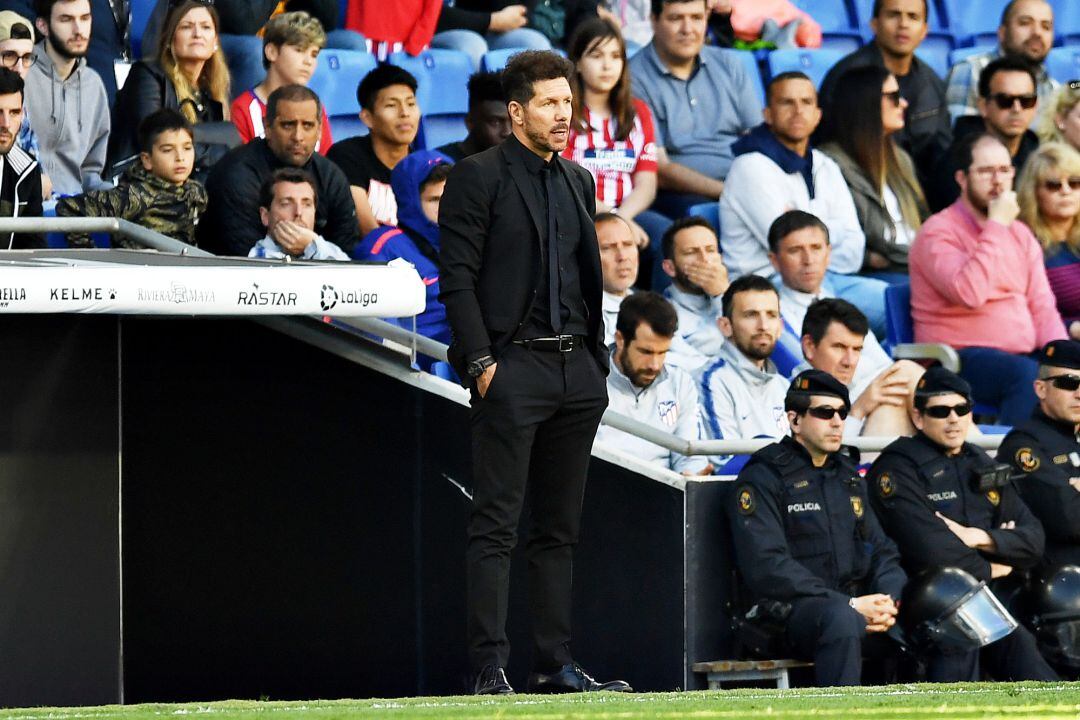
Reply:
x=200, y=509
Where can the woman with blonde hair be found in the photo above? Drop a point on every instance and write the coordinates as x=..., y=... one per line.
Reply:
x=1060, y=121
x=1049, y=195
x=190, y=75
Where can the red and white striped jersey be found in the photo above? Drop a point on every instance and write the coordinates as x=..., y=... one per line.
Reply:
x=614, y=162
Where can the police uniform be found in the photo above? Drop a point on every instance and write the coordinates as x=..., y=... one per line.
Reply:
x=1046, y=455
x=911, y=481
x=806, y=536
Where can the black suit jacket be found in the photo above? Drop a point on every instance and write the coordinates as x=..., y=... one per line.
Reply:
x=489, y=237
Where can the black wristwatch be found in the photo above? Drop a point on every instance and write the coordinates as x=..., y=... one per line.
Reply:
x=477, y=367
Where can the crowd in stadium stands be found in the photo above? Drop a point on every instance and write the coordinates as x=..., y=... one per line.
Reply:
x=747, y=234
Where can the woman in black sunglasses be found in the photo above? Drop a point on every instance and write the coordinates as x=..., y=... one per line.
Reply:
x=1048, y=191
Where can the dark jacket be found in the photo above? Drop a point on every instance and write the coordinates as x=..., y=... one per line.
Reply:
x=232, y=225
x=489, y=230
x=24, y=169
x=926, y=132
x=877, y=224
x=147, y=90
x=475, y=15
x=142, y=198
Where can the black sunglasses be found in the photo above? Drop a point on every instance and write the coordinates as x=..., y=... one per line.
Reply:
x=1067, y=382
x=942, y=411
x=893, y=96
x=824, y=412
x=1005, y=101
x=1056, y=185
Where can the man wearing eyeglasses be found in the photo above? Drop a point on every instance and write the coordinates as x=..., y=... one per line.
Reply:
x=978, y=282
x=1045, y=451
x=946, y=503
x=807, y=543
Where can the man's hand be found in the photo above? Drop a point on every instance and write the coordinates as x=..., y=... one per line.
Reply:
x=974, y=538
x=484, y=380
x=604, y=14
x=641, y=238
x=1004, y=209
x=999, y=571
x=509, y=18
x=876, y=260
x=292, y=238
x=879, y=610
x=888, y=388
x=1075, y=482
x=710, y=275
x=705, y=471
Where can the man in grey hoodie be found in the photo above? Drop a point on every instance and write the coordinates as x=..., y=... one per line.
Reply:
x=66, y=100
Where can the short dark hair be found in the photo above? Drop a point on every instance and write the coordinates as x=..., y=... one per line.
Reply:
x=1007, y=11
x=794, y=221
x=878, y=3
x=826, y=311
x=290, y=93
x=529, y=67
x=158, y=122
x=438, y=173
x=604, y=218
x=648, y=307
x=379, y=79
x=11, y=83
x=961, y=154
x=784, y=77
x=667, y=241
x=485, y=87
x=43, y=8
x=1008, y=63
x=658, y=5
x=746, y=283
x=289, y=175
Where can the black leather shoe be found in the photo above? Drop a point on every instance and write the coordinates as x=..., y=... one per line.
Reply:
x=492, y=681
x=572, y=678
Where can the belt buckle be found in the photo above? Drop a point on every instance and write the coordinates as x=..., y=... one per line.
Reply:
x=566, y=343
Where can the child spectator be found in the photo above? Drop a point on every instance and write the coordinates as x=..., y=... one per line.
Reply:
x=291, y=46
x=156, y=192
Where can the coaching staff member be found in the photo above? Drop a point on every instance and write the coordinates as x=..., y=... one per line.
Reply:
x=522, y=286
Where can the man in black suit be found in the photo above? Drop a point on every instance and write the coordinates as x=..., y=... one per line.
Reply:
x=522, y=286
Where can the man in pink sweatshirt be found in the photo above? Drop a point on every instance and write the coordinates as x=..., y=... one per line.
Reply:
x=978, y=282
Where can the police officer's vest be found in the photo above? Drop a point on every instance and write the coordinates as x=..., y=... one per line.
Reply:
x=1044, y=435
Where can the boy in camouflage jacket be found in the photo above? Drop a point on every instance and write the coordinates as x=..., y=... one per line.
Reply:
x=155, y=192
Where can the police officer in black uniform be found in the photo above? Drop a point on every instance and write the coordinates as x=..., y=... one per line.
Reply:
x=947, y=503
x=805, y=535
x=1045, y=452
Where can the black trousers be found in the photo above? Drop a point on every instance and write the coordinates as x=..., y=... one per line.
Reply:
x=833, y=635
x=532, y=436
x=1013, y=657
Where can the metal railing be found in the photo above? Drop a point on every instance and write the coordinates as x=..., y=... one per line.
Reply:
x=426, y=346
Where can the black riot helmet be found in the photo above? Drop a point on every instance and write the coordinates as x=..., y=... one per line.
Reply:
x=949, y=607
x=1055, y=616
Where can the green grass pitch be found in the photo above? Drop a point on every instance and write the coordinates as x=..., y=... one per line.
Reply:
x=896, y=702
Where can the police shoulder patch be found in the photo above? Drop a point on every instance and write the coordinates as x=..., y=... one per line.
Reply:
x=994, y=497
x=1061, y=459
x=747, y=506
x=886, y=486
x=857, y=506
x=1026, y=460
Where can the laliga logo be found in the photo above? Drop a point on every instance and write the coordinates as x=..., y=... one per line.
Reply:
x=329, y=298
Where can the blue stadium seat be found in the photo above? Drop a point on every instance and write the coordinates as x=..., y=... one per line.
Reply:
x=243, y=53
x=934, y=51
x=495, y=60
x=815, y=63
x=1063, y=64
x=749, y=61
x=443, y=370
x=710, y=211
x=960, y=53
x=336, y=77
x=974, y=22
x=441, y=78
x=831, y=15
x=844, y=44
x=1067, y=19
x=439, y=130
x=898, y=325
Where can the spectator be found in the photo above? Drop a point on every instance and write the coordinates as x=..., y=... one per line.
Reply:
x=156, y=193
x=1049, y=196
x=291, y=45
x=189, y=75
x=742, y=393
x=888, y=199
x=393, y=26
x=232, y=223
x=477, y=26
x=899, y=28
x=1007, y=107
x=698, y=281
x=777, y=155
x=20, y=176
x=17, y=53
x=641, y=386
x=831, y=333
x=702, y=100
x=611, y=134
x=66, y=101
x=287, y=202
x=487, y=120
x=1026, y=33
x=418, y=183
x=387, y=97
x=1060, y=119
x=978, y=282
x=778, y=21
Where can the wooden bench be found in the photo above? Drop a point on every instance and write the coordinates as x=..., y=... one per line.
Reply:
x=721, y=671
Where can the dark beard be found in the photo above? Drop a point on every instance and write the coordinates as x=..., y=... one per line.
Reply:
x=61, y=50
x=687, y=285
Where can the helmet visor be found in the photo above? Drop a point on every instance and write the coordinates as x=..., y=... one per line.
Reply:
x=981, y=618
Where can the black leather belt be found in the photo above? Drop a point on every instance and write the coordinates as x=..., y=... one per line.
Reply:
x=557, y=343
